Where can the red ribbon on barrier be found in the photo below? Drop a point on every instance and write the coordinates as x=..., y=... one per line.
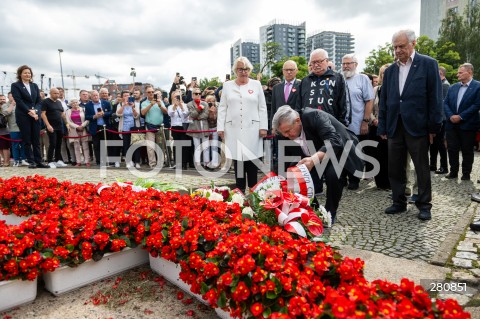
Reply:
x=130, y=132
x=191, y=131
x=9, y=139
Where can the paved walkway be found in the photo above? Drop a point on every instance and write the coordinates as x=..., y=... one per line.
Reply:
x=362, y=229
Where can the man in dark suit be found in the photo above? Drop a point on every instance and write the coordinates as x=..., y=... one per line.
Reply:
x=329, y=136
x=410, y=115
x=98, y=112
x=284, y=93
x=461, y=110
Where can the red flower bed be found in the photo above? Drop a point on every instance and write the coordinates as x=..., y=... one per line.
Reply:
x=255, y=270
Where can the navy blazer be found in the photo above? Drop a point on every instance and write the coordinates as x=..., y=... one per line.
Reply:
x=468, y=108
x=90, y=112
x=24, y=100
x=419, y=105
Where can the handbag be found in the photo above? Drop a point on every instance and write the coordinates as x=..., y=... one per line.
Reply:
x=137, y=137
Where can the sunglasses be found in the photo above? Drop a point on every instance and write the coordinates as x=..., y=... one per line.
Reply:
x=197, y=93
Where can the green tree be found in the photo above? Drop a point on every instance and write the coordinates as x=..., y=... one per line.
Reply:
x=205, y=82
x=301, y=65
x=271, y=50
x=377, y=58
x=463, y=30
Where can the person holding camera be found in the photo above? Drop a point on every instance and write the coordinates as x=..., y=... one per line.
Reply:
x=152, y=109
x=198, y=111
x=129, y=116
x=178, y=113
x=98, y=113
x=77, y=124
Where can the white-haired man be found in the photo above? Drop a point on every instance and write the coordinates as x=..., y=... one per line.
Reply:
x=361, y=101
x=323, y=89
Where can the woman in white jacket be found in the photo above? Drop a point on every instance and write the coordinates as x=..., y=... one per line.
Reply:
x=242, y=122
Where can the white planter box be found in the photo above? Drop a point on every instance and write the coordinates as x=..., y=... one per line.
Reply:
x=12, y=219
x=14, y=293
x=171, y=272
x=65, y=279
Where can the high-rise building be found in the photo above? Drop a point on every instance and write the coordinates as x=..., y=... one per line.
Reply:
x=248, y=49
x=291, y=38
x=337, y=44
x=432, y=12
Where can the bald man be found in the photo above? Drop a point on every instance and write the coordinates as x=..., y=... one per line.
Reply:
x=53, y=117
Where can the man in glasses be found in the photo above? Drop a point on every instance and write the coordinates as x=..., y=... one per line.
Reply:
x=153, y=109
x=323, y=89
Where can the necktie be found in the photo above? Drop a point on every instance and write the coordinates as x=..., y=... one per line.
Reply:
x=287, y=90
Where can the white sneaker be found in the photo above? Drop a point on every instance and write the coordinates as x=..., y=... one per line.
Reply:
x=61, y=164
x=137, y=165
x=52, y=165
x=15, y=163
x=117, y=164
x=24, y=163
x=130, y=165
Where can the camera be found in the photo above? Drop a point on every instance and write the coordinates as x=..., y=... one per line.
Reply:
x=99, y=109
x=155, y=96
x=131, y=99
x=194, y=78
x=227, y=76
x=181, y=80
x=178, y=97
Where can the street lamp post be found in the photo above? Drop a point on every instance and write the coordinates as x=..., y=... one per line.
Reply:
x=61, y=68
x=41, y=81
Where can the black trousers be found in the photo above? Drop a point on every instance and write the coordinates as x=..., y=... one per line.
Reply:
x=55, y=139
x=96, y=139
x=180, y=136
x=249, y=174
x=30, y=130
x=368, y=166
x=417, y=147
x=460, y=140
x=438, y=147
x=334, y=187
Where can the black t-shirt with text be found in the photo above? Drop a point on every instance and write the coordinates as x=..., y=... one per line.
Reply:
x=54, y=112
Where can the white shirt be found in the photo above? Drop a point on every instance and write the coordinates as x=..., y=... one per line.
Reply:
x=177, y=117
x=302, y=141
x=403, y=69
x=27, y=86
x=461, y=92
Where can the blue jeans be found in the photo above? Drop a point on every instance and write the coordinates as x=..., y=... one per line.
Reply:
x=17, y=150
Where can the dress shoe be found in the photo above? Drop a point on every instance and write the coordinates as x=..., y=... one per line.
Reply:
x=41, y=165
x=32, y=165
x=476, y=197
x=424, y=214
x=395, y=209
x=452, y=176
x=353, y=186
x=475, y=226
x=465, y=177
x=413, y=199
x=441, y=170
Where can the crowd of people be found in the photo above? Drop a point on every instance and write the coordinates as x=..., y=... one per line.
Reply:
x=409, y=110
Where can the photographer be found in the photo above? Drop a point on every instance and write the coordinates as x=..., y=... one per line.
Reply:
x=176, y=85
x=152, y=109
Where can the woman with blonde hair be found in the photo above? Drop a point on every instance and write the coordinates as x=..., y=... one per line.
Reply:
x=242, y=122
x=76, y=125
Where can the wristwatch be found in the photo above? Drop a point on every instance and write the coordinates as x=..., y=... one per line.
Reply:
x=366, y=120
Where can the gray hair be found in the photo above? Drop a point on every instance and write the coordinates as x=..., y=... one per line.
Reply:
x=245, y=61
x=442, y=70
x=284, y=114
x=467, y=66
x=318, y=51
x=72, y=101
x=351, y=56
x=410, y=34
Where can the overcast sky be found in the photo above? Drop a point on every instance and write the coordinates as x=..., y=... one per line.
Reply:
x=193, y=37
